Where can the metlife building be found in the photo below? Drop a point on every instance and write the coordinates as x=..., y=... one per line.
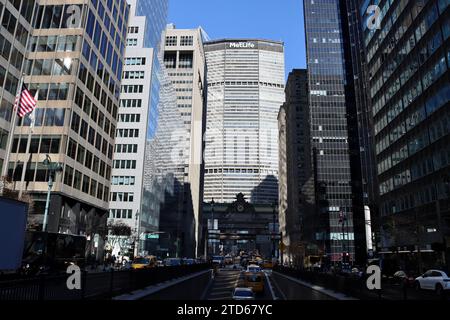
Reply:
x=245, y=92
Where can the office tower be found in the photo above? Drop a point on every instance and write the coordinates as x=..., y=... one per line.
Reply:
x=245, y=92
x=184, y=60
x=74, y=60
x=296, y=176
x=136, y=123
x=408, y=59
x=16, y=21
x=334, y=134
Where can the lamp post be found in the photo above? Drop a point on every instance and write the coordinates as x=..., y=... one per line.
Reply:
x=51, y=169
x=138, y=238
x=213, y=224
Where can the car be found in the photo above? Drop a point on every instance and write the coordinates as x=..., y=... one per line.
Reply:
x=436, y=280
x=143, y=263
x=172, y=262
x=254, y=268
x=402, y=278
x=243, y=294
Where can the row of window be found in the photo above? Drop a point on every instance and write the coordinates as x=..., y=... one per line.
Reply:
x=130, y=103
x=172, y=41
x=126, y=148
x=38, y=144
x=132, y=88
x=92, y=111
x=127, y=133
x=124, y=164
x=135, y=61
x=45, y=117
x=86, y=158
x=123, y=180
x=10, y=53
x=9, y=22
x=120, y=214
x=77, y=180
x=60, y=43
x=133, y=75
x=245, y=83
x=133, y=117
x=8, y=81
x=122, y=196
x=88, y=133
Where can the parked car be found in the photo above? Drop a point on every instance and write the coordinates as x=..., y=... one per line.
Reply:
x=172, y=262
x=243, y=294
x=403, y=278
x=433, y=280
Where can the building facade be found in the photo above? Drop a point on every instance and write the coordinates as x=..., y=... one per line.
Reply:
x=408, y=59
x=73, y=61
x=245, y=91
x=184, y=60
x=296, y=175
x=16, y=20
x=136, y=122
x=338, y=224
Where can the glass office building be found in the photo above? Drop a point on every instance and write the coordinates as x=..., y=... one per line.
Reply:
x=245, y=91
x=408, y=62
x=330, y=103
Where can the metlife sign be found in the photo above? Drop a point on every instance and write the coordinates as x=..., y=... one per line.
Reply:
x=242, y=45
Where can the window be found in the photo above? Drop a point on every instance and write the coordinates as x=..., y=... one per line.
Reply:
x=135, y=61
x=131, y=42
x=187, y=40
x=171, y=41
x=9, y=21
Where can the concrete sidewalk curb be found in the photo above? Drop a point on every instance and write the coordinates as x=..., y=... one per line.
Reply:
x=335, y=295
x=142, y=293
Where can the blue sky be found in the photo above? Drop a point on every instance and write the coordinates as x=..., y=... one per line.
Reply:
x=267, y=19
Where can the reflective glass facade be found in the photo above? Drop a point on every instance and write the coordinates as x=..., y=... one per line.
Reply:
x=408, y=61
x=329, y=104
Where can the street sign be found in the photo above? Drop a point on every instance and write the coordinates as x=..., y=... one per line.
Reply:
x=282, y=246
x=152, y=236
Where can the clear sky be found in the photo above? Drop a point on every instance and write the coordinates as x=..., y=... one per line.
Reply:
x=280, y=20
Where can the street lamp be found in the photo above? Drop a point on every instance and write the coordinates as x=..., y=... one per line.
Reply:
x=52, y=168
x=273, y=230
x=213, y=224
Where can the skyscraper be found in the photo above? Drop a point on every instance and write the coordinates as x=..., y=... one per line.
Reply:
x=74, y=60
x=137, y=121
x=245, y=92
x=16, y=21
x=184, y=60
x=408, y=62
x=334, y=132
x=296, y=175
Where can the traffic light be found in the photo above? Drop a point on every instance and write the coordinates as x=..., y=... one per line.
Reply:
x=346, y=257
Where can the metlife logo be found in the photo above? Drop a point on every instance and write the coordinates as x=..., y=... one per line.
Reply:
x=242, y=45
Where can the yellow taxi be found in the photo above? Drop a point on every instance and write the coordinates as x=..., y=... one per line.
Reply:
x=140, y=263
x=255, y=281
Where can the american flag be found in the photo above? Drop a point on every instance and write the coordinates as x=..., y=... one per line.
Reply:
x=25, y=102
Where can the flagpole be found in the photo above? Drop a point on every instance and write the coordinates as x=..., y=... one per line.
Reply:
x=11, y=137
x=32, y=116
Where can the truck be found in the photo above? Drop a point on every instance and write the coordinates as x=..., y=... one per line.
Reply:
x=46, y=252
x=13, y=217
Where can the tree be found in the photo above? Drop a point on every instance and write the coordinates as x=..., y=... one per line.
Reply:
x=118, y=235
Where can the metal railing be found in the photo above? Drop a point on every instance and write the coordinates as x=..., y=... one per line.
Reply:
x=102, y=285
x=356, y=286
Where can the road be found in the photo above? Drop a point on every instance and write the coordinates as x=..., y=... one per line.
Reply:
x=228, y=279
